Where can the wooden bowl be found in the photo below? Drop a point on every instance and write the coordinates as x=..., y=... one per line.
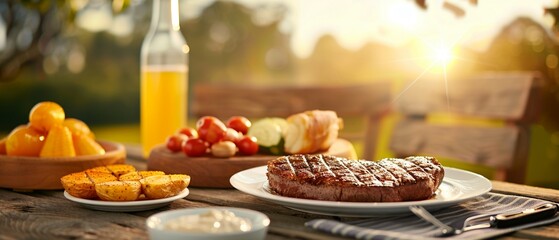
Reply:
x=34, y=173
x=215, y=172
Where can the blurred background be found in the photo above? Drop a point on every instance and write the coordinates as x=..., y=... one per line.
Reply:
x=84, y=54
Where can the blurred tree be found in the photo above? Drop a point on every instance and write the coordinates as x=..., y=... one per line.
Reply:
x=330, y=63
x=228, y=44
x=522, y=45
x=526, y=45
x=32, y=29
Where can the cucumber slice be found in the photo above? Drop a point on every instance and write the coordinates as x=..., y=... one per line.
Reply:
x=268, y=131
x=273, y=150
x=282, y=123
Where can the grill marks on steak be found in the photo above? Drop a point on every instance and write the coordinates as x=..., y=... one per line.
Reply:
x=361, y=172
x=435, y=171
x=332, y=178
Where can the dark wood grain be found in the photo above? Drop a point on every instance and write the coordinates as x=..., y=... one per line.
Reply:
x=489, y=146
x=530, y=191
x=504, y=95
x=49, y=215
x=38, y=216
x=512, y=98
x=257, y=101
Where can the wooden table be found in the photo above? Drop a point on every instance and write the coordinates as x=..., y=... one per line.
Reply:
x=49, y=215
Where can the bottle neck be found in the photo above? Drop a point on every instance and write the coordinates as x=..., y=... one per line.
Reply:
x=165, y=15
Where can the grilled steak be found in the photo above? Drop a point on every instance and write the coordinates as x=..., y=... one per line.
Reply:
x=330, y=178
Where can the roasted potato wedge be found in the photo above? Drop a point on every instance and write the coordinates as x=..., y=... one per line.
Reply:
x=182, y=179
x=119, y=190
x=121, y=169
x=162, y=186
x=82, y=184
x=102, y=169
x=121, y=182
x=101, y=177
x=79, y=185
x=117, y=169
x=136, y=176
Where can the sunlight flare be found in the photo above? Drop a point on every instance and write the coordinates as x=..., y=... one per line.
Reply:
x=443, y=55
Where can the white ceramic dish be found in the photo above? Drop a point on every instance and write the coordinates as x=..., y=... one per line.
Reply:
x=155, y=223
x=457, y=186
x=128, y=206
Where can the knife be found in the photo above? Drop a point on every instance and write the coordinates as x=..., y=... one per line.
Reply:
x=505, y=220
x=502, y=220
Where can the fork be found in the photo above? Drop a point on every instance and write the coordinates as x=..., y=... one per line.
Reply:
x=539, y=212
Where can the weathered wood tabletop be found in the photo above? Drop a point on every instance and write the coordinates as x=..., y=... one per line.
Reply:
x=49, y=215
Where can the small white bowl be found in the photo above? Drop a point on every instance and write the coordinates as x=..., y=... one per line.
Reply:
x=156, y=222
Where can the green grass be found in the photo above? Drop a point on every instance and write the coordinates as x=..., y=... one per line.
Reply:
x=125, y=133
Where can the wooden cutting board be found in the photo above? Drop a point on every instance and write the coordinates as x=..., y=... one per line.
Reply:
x=215, y=172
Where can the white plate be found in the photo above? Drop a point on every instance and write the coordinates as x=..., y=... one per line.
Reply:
x=127, y=206
x=457, y=186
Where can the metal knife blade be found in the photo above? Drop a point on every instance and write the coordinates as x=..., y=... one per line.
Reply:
x=505, y=220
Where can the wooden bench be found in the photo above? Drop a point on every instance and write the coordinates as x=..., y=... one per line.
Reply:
x=365, y=101
x=487, y=120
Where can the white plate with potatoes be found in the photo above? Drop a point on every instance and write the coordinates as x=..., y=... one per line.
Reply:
x=126, y=206
x=121, y=188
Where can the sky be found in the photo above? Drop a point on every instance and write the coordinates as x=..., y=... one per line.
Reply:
x=355, y=22
x=390, y=22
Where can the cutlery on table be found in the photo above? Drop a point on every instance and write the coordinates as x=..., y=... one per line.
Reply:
x=503, y=220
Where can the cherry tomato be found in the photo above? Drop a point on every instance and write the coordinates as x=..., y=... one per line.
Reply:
x=241, y=124
x=247, y=145
x=195, y=147
x=211, y=129
x=175, y=142
x=189, y=132
x=232, y=135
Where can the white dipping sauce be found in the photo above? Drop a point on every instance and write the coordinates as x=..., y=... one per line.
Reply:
x=212, y=221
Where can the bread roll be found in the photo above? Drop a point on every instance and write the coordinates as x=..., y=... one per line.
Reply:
x=311, y=131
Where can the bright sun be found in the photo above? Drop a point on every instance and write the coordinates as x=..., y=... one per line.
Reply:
x=442, y=55
x=435, y=59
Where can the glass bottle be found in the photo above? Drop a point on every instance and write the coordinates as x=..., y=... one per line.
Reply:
x=164, y=76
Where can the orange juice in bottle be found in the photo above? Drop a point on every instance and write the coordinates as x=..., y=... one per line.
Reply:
x=164, y=77
x=163, y=103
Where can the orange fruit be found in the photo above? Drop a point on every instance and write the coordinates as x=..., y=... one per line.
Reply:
x=78, y=127
x=24, y=141
x=85, y=145
x=58, y=143
x=44, y=115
